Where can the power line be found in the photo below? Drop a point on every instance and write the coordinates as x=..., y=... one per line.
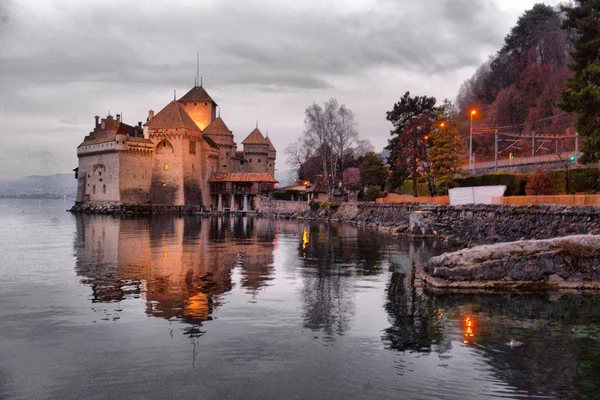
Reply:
x=521, y=124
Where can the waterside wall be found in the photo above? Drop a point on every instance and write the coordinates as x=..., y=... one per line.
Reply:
x=468, y=224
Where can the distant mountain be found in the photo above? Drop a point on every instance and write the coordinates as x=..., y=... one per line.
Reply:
x=286, y=178
x=41, y=187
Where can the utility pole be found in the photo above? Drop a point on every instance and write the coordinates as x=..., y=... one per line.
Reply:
x=496, y=151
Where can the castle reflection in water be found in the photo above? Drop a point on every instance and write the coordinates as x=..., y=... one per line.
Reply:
x=180, y=266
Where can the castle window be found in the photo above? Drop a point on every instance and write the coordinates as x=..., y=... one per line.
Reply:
x=224, y=166
x=193, y=167
x=259, y=160
x=205, y=104
x=194, y=104
x=164, y=184
x=104, y=189
x=166, y=167
x=250, y=161
x=94, y=189
x=192, y=147
x=100, y=173
x=227, y=154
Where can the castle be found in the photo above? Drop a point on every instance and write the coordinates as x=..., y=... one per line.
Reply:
x=183, y=156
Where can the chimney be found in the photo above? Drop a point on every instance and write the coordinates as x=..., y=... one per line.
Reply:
x=118, y=117
x=140, y=124
x=150, y=115
x=103, y=123
x=97, y=123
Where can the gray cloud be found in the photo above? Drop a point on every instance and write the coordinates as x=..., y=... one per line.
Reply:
x=63, y=62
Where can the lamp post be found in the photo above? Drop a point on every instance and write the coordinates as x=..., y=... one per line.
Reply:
x=471, y=164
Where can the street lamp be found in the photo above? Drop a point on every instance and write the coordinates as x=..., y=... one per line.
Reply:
x=471, y=164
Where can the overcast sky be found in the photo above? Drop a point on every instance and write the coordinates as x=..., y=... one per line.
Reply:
x=63, y=62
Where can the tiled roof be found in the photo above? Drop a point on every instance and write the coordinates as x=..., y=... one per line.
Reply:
x=217, y=127
x=210, y=142
x=197, y=93
x=171, y=117
x=255, y=137
x=242, y=177
x=271, y=147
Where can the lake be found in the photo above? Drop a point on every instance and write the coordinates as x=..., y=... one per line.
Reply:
x=223, y=308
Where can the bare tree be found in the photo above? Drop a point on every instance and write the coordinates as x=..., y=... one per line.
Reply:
x=298, y=153
x=362, y=147
x=331, y=130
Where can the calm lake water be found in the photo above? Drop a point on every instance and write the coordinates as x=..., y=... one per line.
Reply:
x=102, y=307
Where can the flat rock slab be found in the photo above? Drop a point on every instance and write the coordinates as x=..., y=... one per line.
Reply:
x=570, y=262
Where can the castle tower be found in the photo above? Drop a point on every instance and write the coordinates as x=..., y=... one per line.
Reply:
x=223, y=138
x=271, y=156
x=199, y=106
x=256, y=152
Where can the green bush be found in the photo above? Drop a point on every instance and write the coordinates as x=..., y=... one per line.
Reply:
x=407, y=188
x=314, y=206
x=373, y=192
x=334, y=206
x=585, y=180
x=515, y=183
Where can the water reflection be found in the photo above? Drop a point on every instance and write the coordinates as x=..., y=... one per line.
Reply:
x=178, y=267
x=331, y=282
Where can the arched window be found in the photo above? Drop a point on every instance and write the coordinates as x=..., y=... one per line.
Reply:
x=164, y=146
x=166, y=167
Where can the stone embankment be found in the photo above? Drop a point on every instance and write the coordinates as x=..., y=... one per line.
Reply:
x=131, y=209
x=571, y=262
x=468, y=224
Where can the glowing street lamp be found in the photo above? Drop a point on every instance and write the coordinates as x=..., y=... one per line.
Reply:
x=471, y=164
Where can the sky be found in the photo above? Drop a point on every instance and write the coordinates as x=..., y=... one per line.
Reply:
x=63, y=62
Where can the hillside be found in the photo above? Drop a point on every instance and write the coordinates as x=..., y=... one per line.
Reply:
x=518, y=88
x=36, y=186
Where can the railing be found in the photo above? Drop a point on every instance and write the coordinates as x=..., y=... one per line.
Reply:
x=566, y=200
x=522, y=161
x=234, y=191
x=404, y=198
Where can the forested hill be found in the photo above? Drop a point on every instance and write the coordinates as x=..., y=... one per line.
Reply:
x=522, y=82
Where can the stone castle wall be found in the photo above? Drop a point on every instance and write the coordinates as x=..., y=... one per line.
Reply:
x=101, y=173
x=135, y=176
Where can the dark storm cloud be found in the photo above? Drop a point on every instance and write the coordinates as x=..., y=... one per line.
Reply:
x=63, y=61
x=144, y=45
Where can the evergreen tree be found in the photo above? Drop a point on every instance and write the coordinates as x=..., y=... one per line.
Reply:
x=582, y=94
x=412, y=118
x=446, y=149
x=372, y=171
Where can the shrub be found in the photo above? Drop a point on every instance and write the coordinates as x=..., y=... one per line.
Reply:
x=334, y=206
x=323, y=204
x=544, y=182
x=314, y=206
x=373, y=192
x=515, y=183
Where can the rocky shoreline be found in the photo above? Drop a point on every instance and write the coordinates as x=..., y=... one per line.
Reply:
x=571, y=262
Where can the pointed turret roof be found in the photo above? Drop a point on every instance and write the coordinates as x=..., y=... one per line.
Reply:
x=271, y=147
x=217, y=128
x=171, y=117
x=255, y=137
x=197, y=93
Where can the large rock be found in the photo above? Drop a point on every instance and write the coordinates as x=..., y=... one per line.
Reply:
x=566, y=262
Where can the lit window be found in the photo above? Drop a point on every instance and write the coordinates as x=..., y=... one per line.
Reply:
x=166, y=167
x=164, y=184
